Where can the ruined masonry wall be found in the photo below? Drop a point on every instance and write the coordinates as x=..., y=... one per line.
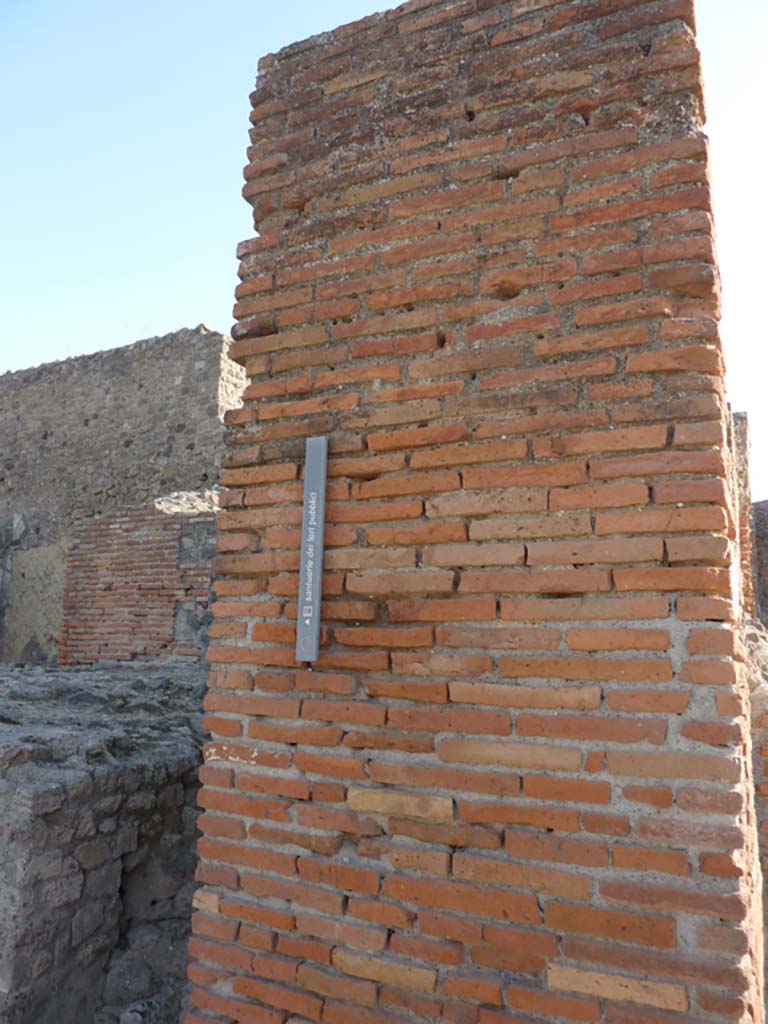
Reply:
x=91, y=436
x=97, y=824
x=516, y=786
x=137, y=422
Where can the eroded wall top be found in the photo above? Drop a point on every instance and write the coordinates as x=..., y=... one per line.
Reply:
x=113, y=429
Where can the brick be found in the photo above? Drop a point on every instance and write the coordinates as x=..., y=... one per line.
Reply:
x=467, y=454
x=234, y=1008
x=591, y=341
x=542, y=475
x=533, y=527
x=674, y=765
x=584, y=698
x=441, y=776
x=544, y=581
x=409, y=805
x=663, y=463
x=594, y=552
x=558, y=849
x=420, y=533
x=654, y=796
x=393, y=583
x=671, y=702
x=520, y=876
x=400, y=689
x=278, y=996
x=702, y=609
x=340, y=876
x=447, y=835
x=447, y=610
x=395, y=485
x=474, y=554
x=498, y=637
x=324, y=983
x=417, y=437
x=460, y=720
x=389, y=972
x=618, y=640
x=612, y=925
x=519, y=755
x=599, y=441
x=495, y=903
x=587, y=669
x=668, y=899
x=591, y=728
x=543, y=788
x=682, y=520
x=579, y=609
x=559, y=819
x=336, y=932
x=605, y=824
x=695, y=579
x=468, y=504
x=637, y=858
x=441, y=664
x=353, y=712
x=601, y=496
x=474, y=989
x=692, y=357
x=509, y=950
x=374, y=512
x=664, y=995
x=548, y=1004
x=405, y=859
x=361, y=636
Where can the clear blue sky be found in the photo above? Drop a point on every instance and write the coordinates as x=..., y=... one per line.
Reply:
x=124, y=134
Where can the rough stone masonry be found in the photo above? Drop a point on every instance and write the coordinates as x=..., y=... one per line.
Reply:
x=516, y=787
x=97, y=822
x=105, y=435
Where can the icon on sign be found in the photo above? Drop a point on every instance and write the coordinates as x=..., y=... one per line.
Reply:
x=306, y=611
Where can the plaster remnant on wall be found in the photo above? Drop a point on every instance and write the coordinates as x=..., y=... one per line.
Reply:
x=34, y=608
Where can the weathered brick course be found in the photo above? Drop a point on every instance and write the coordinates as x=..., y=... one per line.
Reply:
x=516, y=784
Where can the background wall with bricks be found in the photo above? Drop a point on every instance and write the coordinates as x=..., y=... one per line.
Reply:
x=138, y=586
x=517, y=784
x=90, y=436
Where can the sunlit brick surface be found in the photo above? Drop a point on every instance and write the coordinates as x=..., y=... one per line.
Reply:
x=515, y=787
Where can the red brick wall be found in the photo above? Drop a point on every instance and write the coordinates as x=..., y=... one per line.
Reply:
x=130, y=583
x=515, y=787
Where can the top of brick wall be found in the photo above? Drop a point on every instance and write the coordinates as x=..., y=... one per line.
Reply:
x=362, y=104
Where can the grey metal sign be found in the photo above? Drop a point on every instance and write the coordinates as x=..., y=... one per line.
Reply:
x=312, y=529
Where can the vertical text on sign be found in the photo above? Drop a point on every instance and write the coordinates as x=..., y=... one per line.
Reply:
x=312, y=527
